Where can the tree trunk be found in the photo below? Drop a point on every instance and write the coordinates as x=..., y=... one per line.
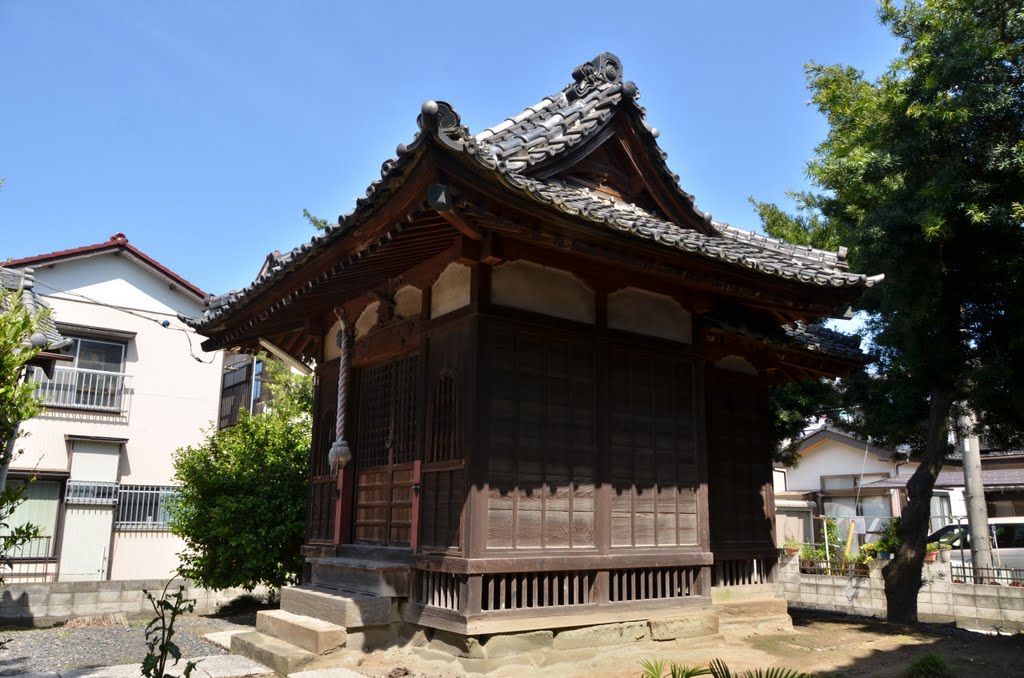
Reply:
x=903, y=575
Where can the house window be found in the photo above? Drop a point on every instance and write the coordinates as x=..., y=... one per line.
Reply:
x=144, y=507
x=40, y=508
x=846, y=497
x=94, y=380
x=90, y=492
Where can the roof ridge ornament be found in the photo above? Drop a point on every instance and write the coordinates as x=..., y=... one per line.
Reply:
x=441, y=117
x=605, y=68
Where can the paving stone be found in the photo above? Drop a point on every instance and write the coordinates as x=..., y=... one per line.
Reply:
x=231, y=666
x=281, y=656
x=223, y=638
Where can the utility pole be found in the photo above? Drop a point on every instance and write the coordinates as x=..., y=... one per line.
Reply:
x=977, y=510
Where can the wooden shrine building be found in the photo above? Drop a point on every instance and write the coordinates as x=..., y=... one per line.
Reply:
x=553, y=371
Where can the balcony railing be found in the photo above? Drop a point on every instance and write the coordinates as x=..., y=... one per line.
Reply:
x=83, y=389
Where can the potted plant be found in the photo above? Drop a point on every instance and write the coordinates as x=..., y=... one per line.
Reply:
x=791, y=546
x=891, y=539
x=869, y=550
x=944, y=552
x=931, y=552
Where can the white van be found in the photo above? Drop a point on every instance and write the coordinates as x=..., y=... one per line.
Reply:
x=1007, y=541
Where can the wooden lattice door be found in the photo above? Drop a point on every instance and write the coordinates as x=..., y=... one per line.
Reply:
x=386, y=454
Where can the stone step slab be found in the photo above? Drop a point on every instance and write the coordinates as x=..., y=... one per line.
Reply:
x=348, y=611
x=273, y=652
x=311, y=634
x=216, y=666
x=379, y=578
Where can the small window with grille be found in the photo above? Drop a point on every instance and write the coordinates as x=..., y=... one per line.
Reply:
x=90, y=492
x=144, y=507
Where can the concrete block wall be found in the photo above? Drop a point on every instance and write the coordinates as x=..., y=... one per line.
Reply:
x=984, y=607
x=49, y=604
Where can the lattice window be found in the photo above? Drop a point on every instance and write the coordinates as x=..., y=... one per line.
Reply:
x=403, y=425
x=374, y=416
x=90, y=492
x=524, y=590
x=144, y=507
x=654, y=583
x=445, y=441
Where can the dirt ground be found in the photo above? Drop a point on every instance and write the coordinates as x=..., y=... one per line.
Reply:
x=821, y=644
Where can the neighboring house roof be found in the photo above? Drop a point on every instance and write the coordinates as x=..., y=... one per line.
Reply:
x=525, y=151
x=23, y=281
x=826, y=433
x=117, y=243
x=993, y=479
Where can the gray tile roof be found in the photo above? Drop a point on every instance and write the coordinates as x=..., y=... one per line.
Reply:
x=991, y=478
x=22, y=281
x=546, y=131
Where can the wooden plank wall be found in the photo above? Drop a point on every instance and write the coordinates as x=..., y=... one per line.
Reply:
x=590, y=444
x=739, y=464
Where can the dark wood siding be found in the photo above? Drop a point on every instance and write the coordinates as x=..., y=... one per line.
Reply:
x=653, y=450
x=739, y=462
x=542, y=442
x=322, y=483
x=443, y=474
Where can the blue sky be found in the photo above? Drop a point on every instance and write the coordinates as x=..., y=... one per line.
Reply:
x=201, y=129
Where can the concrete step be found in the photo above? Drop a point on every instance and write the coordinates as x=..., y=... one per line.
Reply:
x=348, y=611
x=283, y=657
x=750, y=617
x=766, y=607
x=350, y=574
x=312, y=635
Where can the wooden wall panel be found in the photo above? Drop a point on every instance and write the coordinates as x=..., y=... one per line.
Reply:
x=739, y=462
x=542, y=440
x=653, y=450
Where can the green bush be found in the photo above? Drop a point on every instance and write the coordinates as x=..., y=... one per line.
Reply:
x=929, y=665
x=891, y=538
x=242, y=504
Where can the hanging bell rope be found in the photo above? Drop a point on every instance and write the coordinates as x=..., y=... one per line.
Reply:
x=340, y=454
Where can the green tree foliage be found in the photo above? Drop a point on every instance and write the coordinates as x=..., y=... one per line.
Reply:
x=242, y=502
x=922, y=176
x=318, y=223
x=17, y=404
x=17, y=401
x=793, y=406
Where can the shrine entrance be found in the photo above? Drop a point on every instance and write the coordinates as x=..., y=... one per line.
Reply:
x=387, y=454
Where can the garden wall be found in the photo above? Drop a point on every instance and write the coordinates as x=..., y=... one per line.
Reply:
x=49, y=604
x=982, y=607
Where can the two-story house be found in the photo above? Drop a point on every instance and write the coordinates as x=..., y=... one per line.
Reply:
x=134, y=387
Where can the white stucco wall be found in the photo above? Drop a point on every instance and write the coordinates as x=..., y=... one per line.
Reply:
x=832, y=458
x=173, y=397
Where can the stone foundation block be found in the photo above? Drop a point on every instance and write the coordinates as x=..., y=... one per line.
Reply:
x=456, y=645
x=599, y=636
x=348, y=611
x=508, y=644
x=312, y=635
x=692, y=626
x=369, y=638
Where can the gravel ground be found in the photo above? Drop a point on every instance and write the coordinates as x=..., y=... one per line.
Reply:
x=59, y=649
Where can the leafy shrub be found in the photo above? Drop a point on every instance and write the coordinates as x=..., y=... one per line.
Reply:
x=929, y=665
x=242, y=504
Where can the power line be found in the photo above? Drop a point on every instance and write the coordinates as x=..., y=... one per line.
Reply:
x=166, y=324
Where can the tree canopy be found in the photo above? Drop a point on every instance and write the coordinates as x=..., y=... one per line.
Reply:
x=921, y=175
x=242, y=502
